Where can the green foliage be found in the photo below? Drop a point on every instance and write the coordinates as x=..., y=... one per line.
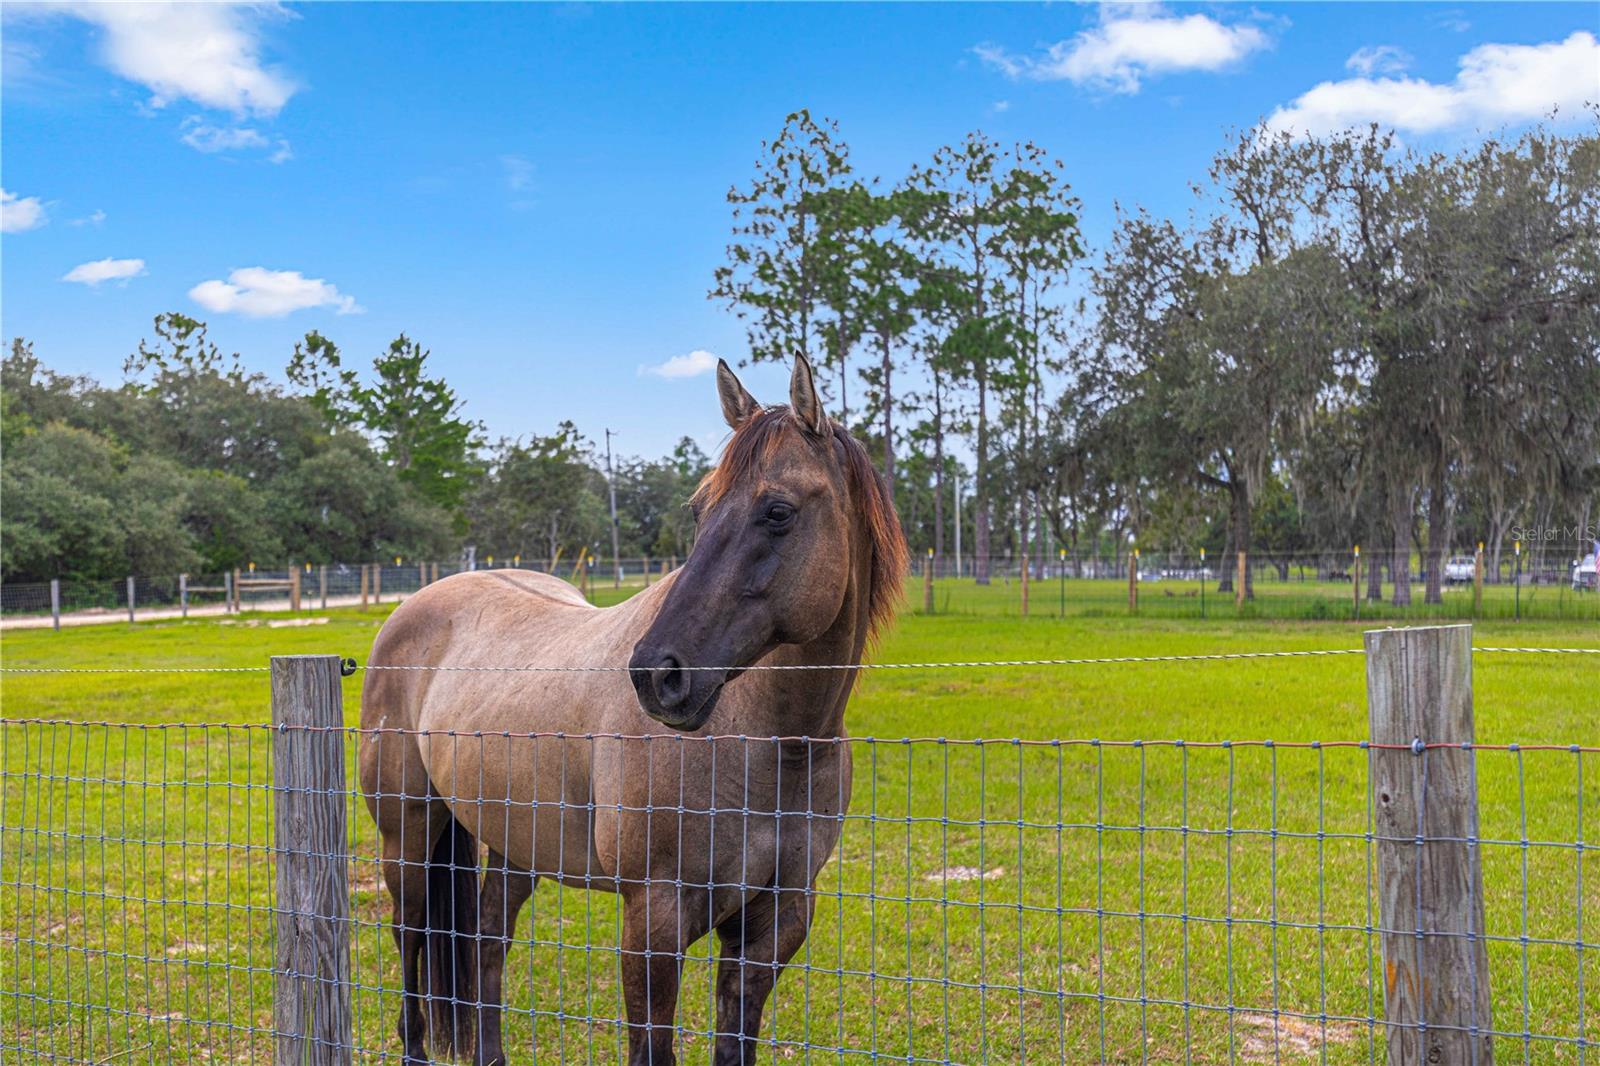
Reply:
x=415, y=418
x=191, y=465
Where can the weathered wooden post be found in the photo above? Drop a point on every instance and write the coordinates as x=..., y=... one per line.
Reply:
x=1355, y=583
x=927, y=584
x=55, y=603
x=311, y=1016
x=422, y=576
x=1238, y=583
x=1023, y=578
x=363, y=586
x=1425, y=819
x=1477, y=580
x=130, y=599
x=294, y=588
x=322, y=584
x=1133, y=581
x=377, y=582
x=234, y=584
x=183, y=595
x=227, y=592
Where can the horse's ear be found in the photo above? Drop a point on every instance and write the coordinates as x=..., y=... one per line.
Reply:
x=737, y=404
x=803, y=399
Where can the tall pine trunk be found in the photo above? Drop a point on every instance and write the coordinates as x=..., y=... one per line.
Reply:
x=888, y=415
x=1438, y=539
x=1400, y=546
x=980, y=516
x=938, y=472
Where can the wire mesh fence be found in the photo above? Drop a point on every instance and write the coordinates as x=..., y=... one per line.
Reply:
x=1321, y=584
x=984, y=901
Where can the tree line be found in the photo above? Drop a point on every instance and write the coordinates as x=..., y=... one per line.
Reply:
x=194, y=465
x=1343, y=342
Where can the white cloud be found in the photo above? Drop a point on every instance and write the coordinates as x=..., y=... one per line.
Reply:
x=519, y=172
x=1000, y=107
x=93, y=219
x=1130, y=44
x=205, y=53
x=689, y=365
x=1378, y=59
x=204, y=137
x=102, y=270
x=257, y=292
x=1496, y=83
x=20, y=213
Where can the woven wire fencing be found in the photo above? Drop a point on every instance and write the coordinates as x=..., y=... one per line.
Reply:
x=985, y=901
x=1312, y=585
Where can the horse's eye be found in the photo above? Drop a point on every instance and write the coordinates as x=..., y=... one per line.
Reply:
x=779, y=513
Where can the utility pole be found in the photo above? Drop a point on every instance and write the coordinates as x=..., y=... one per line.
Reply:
x=611, y=486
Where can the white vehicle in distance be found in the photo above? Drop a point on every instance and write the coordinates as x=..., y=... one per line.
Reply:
x=1459, y=570
x=1586, y=572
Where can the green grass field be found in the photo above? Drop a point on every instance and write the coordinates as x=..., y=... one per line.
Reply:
x=995, y=902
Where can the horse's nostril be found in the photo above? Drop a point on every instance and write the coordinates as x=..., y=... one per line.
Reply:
x=672, y=681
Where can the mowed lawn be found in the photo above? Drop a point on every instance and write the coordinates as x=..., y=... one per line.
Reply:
x=995, y=902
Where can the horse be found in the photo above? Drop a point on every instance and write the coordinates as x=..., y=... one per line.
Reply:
x=706, y=794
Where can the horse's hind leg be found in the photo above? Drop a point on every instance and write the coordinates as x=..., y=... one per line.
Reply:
x=407, y=842
x=756, y=944
x=505, y=889
x=394, y=782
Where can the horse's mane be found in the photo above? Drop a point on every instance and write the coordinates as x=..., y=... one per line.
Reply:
x=757, y=439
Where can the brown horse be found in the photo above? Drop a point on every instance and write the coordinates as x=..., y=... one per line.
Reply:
x=633, y=778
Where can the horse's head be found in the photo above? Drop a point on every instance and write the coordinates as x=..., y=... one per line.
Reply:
x=783, y=525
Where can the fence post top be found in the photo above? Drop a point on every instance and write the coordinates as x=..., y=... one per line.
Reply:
x=1376, y=634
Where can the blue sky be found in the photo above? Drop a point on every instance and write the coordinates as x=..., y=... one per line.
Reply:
x=537, y=192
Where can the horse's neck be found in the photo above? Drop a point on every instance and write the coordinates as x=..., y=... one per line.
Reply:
x=812, y=702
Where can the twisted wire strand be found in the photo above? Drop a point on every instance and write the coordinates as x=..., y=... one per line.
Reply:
x=964, y=664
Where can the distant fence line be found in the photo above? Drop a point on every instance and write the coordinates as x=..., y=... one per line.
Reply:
x=189, y=893
x=1199, y=582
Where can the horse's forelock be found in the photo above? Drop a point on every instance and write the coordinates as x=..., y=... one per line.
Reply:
x=756, y=441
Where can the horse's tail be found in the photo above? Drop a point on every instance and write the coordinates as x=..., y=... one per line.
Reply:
x=450, y=968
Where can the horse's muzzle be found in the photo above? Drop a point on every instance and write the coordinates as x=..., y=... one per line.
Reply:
x=669, y=693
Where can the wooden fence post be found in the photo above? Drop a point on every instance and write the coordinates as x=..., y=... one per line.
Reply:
x=55, y=603
x=311, y=996
x=131, y=595
x=1477, y=580
x=294, y=588
x=377, y=582
x=1239, y=580
x=322, y=584
x=927, y=584
x=1355, y=584
x=183, y=594
x=433, y=572
x=1133, y=581
x=233, y=584
x=1430, y=872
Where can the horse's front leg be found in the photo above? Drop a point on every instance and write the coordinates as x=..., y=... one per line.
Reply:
x=756, y=945
x=659, y=921
x=505, y=889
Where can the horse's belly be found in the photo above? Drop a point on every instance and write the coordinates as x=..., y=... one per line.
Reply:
x=527, y=798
